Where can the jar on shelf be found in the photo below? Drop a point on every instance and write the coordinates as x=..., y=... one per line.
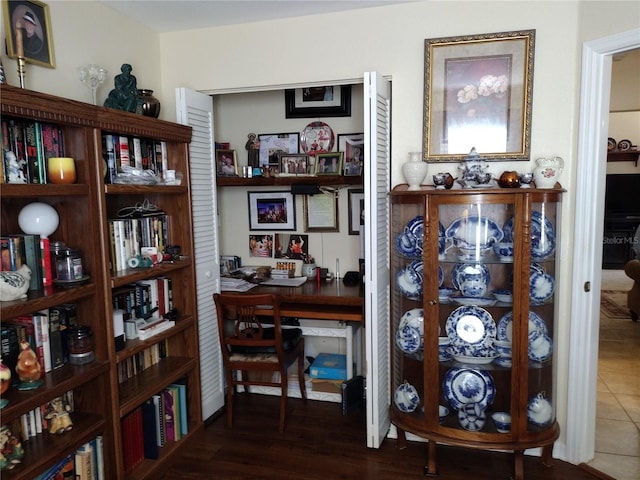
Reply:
x=80, y=339
x=149, y=105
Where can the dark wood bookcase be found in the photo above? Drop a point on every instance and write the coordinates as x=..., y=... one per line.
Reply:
x=84, y=208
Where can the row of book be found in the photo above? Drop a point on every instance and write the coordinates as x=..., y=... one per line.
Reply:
x=86, y=463
x=131, y=237
x=26, y=147
x=132, y=366
x=121, y=151
x=161, y=419
x=17, y=250
x=45, y=330
x=151, y=298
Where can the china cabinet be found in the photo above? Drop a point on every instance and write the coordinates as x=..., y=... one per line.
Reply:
x=473, y=280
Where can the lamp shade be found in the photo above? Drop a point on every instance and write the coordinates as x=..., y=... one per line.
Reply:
x=38, y=218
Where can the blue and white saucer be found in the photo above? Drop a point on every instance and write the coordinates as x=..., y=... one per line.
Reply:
x=541, y=287
x=471, y=325
x=408, y=339
x=468, y=385
x=409, y=280
x=504, y=329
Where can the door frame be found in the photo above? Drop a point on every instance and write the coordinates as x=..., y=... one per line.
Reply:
x=589, y=217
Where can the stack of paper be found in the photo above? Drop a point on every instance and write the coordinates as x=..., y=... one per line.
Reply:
x=235, y=284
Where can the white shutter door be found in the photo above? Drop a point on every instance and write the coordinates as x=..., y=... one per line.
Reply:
x=377, y=111
x=196, y=110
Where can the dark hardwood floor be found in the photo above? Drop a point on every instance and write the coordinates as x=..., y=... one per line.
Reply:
x=319, y=443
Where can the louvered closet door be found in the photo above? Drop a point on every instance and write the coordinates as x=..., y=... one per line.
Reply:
x=377, y=135
x=196, y=110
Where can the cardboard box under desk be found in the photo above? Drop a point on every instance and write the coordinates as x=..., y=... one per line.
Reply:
x=326, y=386
x=330, y=366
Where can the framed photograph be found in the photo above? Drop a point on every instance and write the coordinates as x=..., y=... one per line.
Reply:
x=352, y=144
x=272, y=211
x=329, y=163
x=273, y=144
x=226, y=163
x=478, y=93
x=321, y=212
x=28, y=31
x=295, y=164
x=261, y=246
x=312, y=102
x=356, y=210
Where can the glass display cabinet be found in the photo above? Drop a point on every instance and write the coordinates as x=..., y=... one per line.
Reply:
x=473, y=278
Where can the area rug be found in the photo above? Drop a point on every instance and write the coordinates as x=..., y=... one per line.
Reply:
x=613, y=303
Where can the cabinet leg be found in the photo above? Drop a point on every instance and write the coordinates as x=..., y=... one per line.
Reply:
x=518, y=465
x=431, y=468
x=547, y=458
x=402, y=439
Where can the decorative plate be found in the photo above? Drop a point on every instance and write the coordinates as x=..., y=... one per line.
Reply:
x=474, y=230
x=440, y=276
x=540, y=348
x=541, y=287
x=611, y=143
x=408, y=339
x=410, y=241
x=536, y=323
x=464, y=385
x=543, y=237
x=409, y=280
x=469, y=271
x=478, y=301
x=471, y=325
x=624, y=144
x=317, y=137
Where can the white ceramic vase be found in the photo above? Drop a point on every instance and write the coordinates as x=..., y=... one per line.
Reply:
x=415, y=170
x=547, y=171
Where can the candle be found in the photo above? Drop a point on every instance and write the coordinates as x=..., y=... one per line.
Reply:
x=19, y=45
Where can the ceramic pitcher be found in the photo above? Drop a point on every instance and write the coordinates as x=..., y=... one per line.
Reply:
x=547, y=171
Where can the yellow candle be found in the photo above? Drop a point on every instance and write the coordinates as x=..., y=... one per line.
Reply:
x=61, y=170
x=19, y=44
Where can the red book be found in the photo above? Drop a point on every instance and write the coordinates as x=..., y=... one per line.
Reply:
x=47, y=268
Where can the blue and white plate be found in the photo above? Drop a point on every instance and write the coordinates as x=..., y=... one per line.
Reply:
x=471, y=325
x=468, y=385
x=416, y=226
x=440, y=276
x=543, y=238
x=408, y=339
x=474, y=231
x=478, y=301
x=504, y=330
x=469, y=271
x=540, y=348
x=541, y=287
x=409, y=242
x=507, y=230
x=409, y=280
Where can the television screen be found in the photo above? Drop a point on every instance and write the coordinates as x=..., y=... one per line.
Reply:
x=623, y=194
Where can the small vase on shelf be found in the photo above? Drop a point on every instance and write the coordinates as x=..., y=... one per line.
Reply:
x=414, y=171
x=149, y=105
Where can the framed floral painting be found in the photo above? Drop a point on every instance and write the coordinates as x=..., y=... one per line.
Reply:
x=478, y=93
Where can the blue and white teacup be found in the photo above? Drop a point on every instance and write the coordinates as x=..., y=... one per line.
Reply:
x=472, y=417
x=502, y=421
x=406, y=397
x=473, y=288
x=504, y=251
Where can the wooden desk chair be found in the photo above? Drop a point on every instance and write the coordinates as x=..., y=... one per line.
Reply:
x=250, y=343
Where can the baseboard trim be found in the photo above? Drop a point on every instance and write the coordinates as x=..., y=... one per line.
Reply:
x=596, y=473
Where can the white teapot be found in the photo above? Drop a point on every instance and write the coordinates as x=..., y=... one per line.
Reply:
x=547, y=171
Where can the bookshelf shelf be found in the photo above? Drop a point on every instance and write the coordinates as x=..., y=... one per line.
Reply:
x=85, y=208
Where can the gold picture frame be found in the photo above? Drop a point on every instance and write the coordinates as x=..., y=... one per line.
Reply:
x=321, y=212
x=478, y=93
x=35, y=31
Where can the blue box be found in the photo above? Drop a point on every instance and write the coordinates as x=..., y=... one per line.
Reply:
x=330, y=366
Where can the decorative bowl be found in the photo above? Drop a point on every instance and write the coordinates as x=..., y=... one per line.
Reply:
x=502, y=421
x=504, y=250
x=443, y=412
x=503, y=295
x=503, y=348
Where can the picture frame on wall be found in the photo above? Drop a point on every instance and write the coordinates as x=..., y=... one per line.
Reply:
x=28, y=31
x=319, y=101
x=478, y=93
x=226, y=163
x=274, y=144
x=321, y=212
x=293, y=164
x=329, y=163
x=356, y=210
x=352, y=144
x=274, y=210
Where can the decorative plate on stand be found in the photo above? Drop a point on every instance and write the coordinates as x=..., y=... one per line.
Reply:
x=317, y=137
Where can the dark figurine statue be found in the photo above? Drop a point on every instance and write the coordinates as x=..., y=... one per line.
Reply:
x=125, y=95
x=253, y=152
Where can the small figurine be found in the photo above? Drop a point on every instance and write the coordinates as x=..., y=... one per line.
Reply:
x=11, y=451
x=5, y=382
x=58, y=412
x=28, y=368
x=16, y=175
x=125, y=95
x=253, y=150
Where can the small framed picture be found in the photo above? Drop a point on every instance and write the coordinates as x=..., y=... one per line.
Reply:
x=274, y=144
x=321, y=213
x=356, y=210
x=28, y=29
x=352, y=144
x=261, y=245
x=295, y=164
x=272, y=211
x=329, y=163
x=226, y=163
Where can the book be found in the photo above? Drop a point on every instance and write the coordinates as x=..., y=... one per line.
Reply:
x=33, y=154
x=155, y=329
x=16, y=157
x=84, y=464
x=124, y=159
x=9, y=350
x=154, y=301
x=160, y=421
x=169, y=418
x=181, y=386
x=5, y=254
x=150, y=434
x=47, y=266
x=52, y=472
x=33, y=259
x=43, y=318
x=99, y=449
x=109, y=156
x=55, y=338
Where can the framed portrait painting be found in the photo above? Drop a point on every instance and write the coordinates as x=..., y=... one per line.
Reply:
x=272, y=211
x=356, y=210
x=28, y=31
x=478, y=93
x=323, y=101
x=329, y=163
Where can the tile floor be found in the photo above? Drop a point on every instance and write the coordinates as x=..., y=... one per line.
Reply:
x=617, y=449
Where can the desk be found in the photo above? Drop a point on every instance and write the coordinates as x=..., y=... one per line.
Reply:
x=325, y=302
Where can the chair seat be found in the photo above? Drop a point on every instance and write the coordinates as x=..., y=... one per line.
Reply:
x=290, y=338
x=254, y=357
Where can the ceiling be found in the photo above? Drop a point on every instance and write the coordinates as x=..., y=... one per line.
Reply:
x=174, y=15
